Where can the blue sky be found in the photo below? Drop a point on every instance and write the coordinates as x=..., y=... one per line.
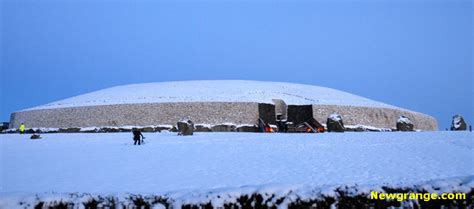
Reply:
x=413, y=54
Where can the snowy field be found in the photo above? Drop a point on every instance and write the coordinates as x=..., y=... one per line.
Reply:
x=109, y=163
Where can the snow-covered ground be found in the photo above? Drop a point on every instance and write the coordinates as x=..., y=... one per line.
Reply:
x=110, y=163
x=216, y=91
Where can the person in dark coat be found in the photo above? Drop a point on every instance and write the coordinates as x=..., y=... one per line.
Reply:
x=282, y=124
x=136, y=136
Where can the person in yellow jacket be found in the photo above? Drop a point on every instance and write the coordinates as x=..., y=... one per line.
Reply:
x=22, y=128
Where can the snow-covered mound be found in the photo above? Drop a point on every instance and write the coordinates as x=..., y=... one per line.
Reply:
x=216, y=91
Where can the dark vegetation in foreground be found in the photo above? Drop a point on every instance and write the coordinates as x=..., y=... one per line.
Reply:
x=344, y=198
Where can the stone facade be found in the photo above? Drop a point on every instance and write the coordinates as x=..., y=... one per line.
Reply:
x=212, y=113
x=376, y=117
x=139, y=115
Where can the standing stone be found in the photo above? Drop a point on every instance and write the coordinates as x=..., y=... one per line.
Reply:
x=334, y=123
x=404, y=124
x=458, y=123
x=185, y=128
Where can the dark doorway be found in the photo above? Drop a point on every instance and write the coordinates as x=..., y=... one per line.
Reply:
x=300, y=113
x=267, y=113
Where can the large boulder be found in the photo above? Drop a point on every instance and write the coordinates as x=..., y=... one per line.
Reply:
x=161, y=128
x=109, y=129
x=404, y=124
x=334, y=123
x=203, y=128
x=69, y=130
x=89, y=130
x=185, y=128
x=458, y=123
x=247, y=128
x=223, y=128
x=148, y=129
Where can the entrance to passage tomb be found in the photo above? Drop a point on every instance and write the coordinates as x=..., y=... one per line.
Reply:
x=266, y=112
x=288, y=118
x=300, y=113
x=300, y=119
x=280, y=109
